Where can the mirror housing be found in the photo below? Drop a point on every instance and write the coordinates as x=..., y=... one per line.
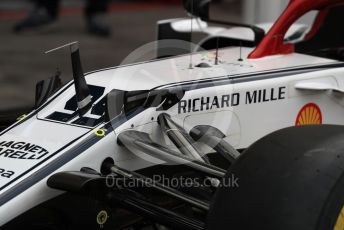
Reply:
x=198, y=8
x=46, y=88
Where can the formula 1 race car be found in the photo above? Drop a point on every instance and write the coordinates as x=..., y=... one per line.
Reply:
x=250, y=141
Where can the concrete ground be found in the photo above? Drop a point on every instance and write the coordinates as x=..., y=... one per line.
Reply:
x=22, y=62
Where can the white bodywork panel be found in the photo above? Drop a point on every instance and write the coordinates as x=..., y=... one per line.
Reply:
x=176, y=70
x=247, y=34
x=183, y=25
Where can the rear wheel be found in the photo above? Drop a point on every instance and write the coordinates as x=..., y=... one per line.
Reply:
x=291, y=179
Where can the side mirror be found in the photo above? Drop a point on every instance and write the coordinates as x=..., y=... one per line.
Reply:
x=46, y=88
x=114, y=104
x=198, y=8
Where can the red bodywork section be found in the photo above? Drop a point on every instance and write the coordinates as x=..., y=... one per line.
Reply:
x=273, y=42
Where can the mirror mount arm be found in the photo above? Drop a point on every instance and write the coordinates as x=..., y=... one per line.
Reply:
x=83, y=96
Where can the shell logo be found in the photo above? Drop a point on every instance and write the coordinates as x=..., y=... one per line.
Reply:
x=310, y=114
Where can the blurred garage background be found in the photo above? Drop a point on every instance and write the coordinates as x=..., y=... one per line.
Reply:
x=133, y=24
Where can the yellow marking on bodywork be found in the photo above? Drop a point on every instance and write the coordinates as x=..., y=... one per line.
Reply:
x=100, y=132
x=21, y=117
x=102, y=217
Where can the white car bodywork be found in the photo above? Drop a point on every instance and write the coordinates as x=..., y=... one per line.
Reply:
x=295, y=33
x=244, y=99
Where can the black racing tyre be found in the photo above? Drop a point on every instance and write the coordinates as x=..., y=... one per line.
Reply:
x=290, y=179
